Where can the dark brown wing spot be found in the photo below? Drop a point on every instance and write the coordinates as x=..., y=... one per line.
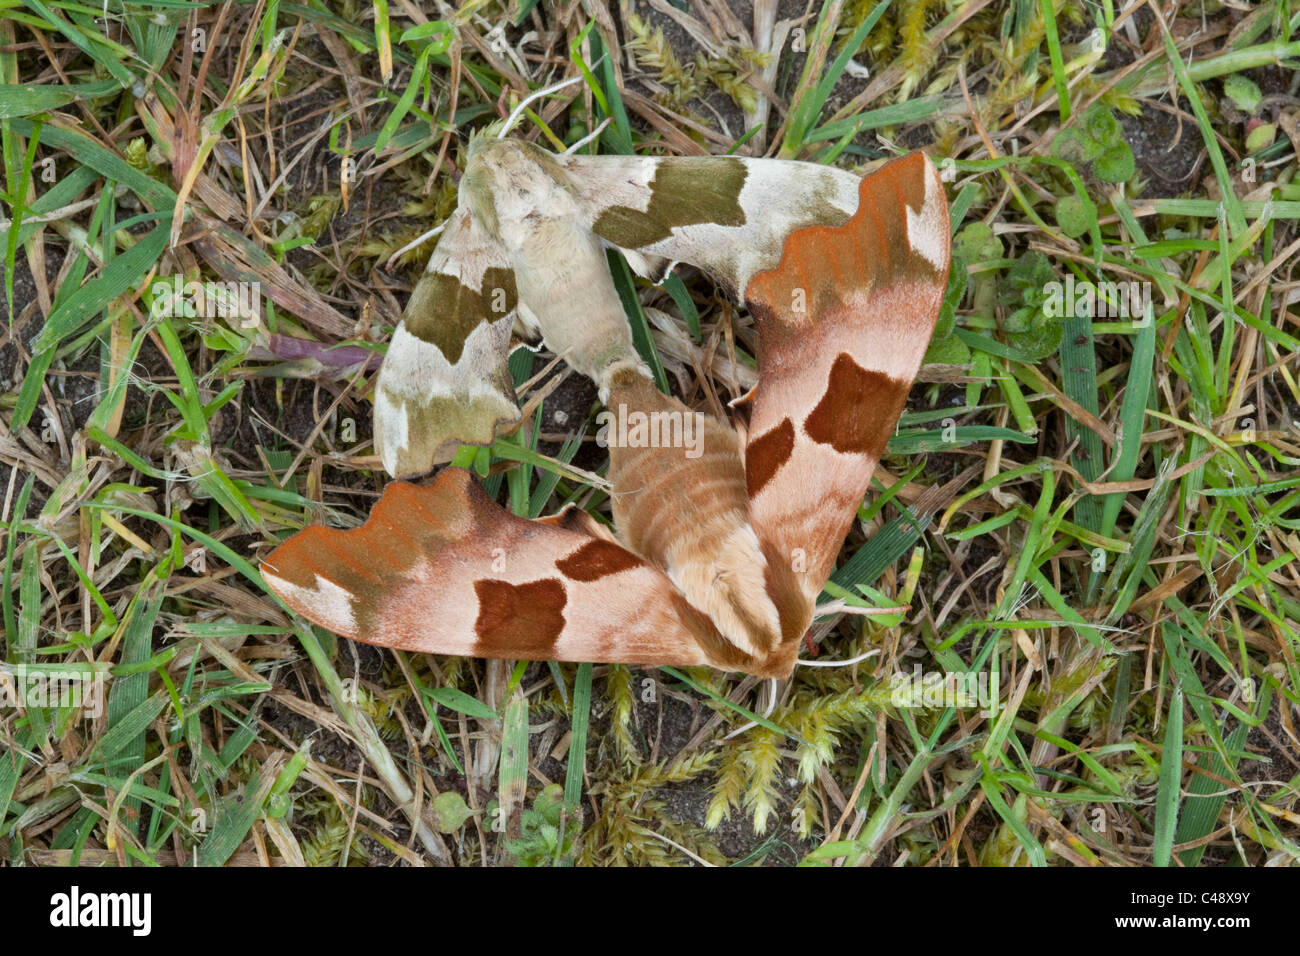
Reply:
x=595, y=559
x=857, y=413
x=519, y=620
x=765, y=455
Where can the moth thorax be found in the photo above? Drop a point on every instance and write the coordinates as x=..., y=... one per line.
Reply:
x=561, y=272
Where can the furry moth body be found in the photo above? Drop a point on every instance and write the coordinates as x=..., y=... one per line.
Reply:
x=719, y=558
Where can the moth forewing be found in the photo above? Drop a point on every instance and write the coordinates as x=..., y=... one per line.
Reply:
x=446, y=379
x=726, y=215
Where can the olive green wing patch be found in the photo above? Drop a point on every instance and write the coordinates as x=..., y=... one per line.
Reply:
x=727, y=215
x=446, y=379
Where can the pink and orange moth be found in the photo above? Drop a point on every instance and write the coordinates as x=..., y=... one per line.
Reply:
x=718, y=557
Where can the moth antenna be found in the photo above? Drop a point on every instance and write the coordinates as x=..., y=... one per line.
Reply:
x=589, y=137
x=770, y=685
x=436, y=230
x=537, y=95
x=747, y=725
x=852, y=660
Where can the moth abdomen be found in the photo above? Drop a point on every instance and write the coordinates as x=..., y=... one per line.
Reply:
x=683, y=506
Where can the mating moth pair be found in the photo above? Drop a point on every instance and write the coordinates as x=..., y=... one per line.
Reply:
x=719, y=556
